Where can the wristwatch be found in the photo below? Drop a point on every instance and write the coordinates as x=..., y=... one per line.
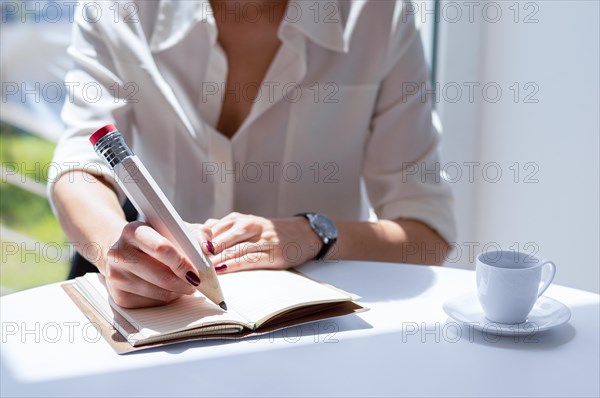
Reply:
x=324, y=228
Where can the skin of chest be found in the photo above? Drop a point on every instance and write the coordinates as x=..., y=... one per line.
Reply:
x=248, y=36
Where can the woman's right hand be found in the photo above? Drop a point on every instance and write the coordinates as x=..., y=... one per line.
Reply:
x=143, y=268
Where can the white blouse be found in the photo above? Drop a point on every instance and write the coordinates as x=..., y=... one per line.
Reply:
x=342, y=121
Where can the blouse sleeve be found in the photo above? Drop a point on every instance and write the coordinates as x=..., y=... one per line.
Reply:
x=96, y=96
x=401, y=167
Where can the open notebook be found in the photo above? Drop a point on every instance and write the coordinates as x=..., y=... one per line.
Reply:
x=259, y=302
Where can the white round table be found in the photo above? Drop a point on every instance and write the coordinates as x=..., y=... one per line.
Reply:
x=404, y=346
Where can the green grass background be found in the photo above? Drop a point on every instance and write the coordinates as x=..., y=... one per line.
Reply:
x=27, y=214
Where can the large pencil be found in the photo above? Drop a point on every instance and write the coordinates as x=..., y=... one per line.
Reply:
x=145, y=194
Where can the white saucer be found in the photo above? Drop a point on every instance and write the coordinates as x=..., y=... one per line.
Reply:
x=546, y=314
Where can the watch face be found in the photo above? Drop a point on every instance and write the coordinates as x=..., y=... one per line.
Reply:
x=325, y=226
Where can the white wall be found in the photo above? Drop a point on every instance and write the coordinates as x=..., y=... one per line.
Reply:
x=554, y=138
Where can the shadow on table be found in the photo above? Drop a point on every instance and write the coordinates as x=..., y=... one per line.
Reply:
x=374, y=282
x=324, y=331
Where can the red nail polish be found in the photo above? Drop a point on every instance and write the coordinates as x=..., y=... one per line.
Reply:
x=210, y=247
x=222, y=267
x=192, y=278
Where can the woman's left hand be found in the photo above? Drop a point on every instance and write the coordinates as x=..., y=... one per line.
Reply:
x=243, y=242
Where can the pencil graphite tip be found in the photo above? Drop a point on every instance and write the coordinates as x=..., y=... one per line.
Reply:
x=223, y=305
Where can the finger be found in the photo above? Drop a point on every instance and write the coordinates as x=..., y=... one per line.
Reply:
x=248, y=262
x=242, y=249
x=211, y=222
x=158, y=274
x=200, y=230
x=222, y=226
x=236, y=235
x=227, y=222
x=131, y=300
x=122, y=285
x=157, y=246
x=203, y=235
x=233, y=215
x=127, y=259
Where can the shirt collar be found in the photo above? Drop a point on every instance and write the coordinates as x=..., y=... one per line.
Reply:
x=320, y=21
x=175, y=19
x=324, y=22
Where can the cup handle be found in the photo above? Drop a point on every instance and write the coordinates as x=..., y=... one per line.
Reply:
x=550, y=278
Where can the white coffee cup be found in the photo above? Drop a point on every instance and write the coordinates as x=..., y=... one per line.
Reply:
x=508, y=284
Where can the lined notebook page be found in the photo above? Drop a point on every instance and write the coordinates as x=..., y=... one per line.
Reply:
x=257, y=295
x=185, y=313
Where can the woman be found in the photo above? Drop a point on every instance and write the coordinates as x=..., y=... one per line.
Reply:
x=249, y=115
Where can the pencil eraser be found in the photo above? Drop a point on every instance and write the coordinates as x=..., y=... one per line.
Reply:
x=101, y=132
